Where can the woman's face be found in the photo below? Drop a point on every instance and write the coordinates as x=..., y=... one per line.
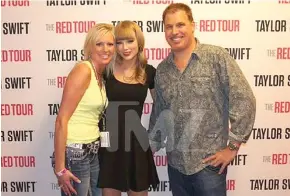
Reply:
x=104, y=50
x=128, y=48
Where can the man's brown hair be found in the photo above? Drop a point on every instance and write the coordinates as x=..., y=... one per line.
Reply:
x=174, y=7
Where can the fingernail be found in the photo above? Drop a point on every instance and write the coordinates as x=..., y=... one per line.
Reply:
x=79, y=181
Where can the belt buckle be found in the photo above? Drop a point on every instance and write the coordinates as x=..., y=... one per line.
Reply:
x=94, y=147
x=74, y=145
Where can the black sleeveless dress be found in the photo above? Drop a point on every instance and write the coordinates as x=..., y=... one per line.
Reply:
x=128, y=163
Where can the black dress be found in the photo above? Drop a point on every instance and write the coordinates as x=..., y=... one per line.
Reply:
x=128, y=163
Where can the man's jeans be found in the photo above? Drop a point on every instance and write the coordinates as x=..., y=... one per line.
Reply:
x=87, y=170
x=207, y=182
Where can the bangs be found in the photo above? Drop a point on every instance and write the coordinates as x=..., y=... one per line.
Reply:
x=123, y=33
x=98, y=36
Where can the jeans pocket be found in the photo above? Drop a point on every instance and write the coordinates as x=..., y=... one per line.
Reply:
x=215, y=169
x=75, y=154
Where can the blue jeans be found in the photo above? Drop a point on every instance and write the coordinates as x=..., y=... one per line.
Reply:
x=207, y=182
x=87, y=170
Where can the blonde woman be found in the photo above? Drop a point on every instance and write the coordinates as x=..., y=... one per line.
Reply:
x=76, y=128
x=126, y=164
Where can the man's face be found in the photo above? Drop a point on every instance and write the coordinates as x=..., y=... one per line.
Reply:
x=178, y=31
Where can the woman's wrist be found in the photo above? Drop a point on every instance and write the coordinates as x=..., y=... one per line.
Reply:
x=60, y=172
x=59, y=168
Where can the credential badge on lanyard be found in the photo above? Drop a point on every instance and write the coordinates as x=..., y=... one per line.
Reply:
x=105, y=139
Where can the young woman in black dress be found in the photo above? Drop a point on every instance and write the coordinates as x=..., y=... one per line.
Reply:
x=127, y=164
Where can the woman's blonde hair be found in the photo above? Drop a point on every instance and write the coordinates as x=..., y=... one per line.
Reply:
x=123, y=31
x=94, y=35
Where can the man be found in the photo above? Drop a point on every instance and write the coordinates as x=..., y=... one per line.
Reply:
x=200, y=92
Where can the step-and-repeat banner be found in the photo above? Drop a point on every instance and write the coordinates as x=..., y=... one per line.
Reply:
x=42, y=40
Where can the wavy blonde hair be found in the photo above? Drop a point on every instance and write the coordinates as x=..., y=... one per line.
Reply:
x=123, y=31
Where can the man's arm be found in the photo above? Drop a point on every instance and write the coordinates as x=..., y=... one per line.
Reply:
x=242, y=110
x=242, y=103
x=156, y=129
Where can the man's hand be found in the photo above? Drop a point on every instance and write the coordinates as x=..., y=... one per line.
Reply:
x=222, y=158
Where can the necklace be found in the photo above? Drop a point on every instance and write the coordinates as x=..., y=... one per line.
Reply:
x=100, y=84
x=129, y=78
x=102, y=115
x=98, y=76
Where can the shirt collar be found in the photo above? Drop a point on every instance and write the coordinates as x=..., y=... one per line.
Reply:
x=196, y=51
